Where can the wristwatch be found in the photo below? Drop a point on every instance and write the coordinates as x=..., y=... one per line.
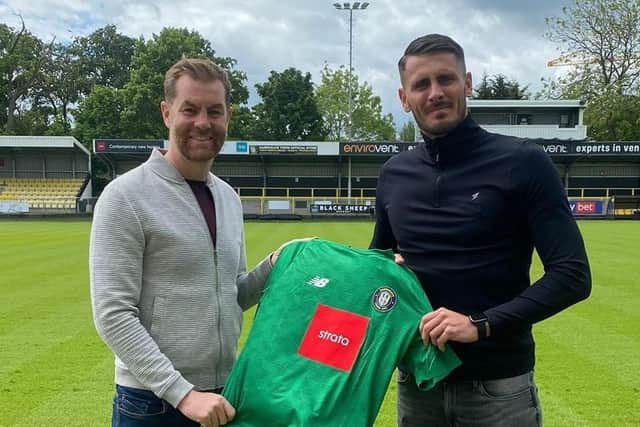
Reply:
x=480, y=321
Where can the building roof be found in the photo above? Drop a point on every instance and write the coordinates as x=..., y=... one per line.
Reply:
x=525, y=103
x=12, y=141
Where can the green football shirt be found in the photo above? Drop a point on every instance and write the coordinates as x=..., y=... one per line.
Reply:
x=332, y=324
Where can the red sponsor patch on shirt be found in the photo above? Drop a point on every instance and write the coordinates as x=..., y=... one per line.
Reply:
x=334, y=337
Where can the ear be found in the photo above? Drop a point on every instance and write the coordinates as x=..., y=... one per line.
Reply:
x=403, y=100
x=165, y=109
x=468, y=85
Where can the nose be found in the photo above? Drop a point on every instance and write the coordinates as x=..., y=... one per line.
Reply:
x=202, y=119
x=436, y=93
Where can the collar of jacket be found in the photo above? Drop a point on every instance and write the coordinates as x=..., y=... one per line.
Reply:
x=163, y=168
x=455, y=145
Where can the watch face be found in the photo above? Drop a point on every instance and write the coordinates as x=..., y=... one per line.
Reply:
x=478, y=318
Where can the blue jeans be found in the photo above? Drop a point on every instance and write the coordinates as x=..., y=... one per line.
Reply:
x=508, y=402
x=133, y=407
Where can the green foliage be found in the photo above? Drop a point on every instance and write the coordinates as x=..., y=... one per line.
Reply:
x=408, y=132
x=288, y=111
x=242, y=124
x=600, y=41
x=369, y=124
x=586, y=379
x=614, y=117
x=98, y=116
x=41, y=85
x=151, y=60
x=499, y=86
x=21, y=58
x=104, y=58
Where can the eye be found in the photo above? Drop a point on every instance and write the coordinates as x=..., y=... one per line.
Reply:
x=446, y=80
x=421, y=84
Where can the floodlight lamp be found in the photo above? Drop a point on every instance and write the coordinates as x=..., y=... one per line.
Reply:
x=337, y=5
x=364, y=5
x=346, y=5
x=356, y=5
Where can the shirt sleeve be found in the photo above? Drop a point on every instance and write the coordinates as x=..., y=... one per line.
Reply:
x=427, y=363
x=250, y=284
x=557, y=240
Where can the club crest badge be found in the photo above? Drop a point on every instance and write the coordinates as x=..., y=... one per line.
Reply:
x=384, y=299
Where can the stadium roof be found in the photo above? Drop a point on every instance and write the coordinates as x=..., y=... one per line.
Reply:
x=525, y=103
x=41, y=142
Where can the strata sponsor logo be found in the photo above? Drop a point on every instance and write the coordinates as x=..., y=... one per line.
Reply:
x=334, y=337
x=384, y=299
x=318, y=282
x=338, y=339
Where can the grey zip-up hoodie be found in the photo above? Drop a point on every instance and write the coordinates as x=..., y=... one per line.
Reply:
x=164, y=300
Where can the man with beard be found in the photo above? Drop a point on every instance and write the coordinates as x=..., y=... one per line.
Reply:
x=168, y=268
x=464, y=211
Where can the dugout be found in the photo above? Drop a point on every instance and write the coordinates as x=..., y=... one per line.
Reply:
x=43, y=174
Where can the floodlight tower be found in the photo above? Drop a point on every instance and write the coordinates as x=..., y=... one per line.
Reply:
x=350, y=7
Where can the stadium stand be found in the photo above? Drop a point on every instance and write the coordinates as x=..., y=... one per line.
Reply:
x=280, y=179
x=300, y=179
x=43, y=175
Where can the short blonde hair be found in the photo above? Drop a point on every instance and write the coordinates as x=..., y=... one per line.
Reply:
x=198, y=69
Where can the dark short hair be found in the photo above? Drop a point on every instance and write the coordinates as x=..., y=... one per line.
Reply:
x=198, y=69
x=430, y=44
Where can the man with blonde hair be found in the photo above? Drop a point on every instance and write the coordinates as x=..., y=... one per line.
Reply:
x=168, y=267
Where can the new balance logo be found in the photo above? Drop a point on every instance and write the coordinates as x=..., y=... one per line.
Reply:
x=474, y=196
x=318, y=282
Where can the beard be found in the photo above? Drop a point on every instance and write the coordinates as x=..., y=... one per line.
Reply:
x=437, y=128
x=200, y=147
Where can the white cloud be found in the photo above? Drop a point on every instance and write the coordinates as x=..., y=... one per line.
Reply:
x=499, y=36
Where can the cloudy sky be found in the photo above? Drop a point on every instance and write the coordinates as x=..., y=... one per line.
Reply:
x=499, y=36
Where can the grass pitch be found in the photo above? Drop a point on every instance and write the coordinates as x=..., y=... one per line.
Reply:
x=55, y=371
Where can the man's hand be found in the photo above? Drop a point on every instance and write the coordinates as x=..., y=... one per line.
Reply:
x=208, y=409
x=444, y=325
x=399, y=259
x=276, y=253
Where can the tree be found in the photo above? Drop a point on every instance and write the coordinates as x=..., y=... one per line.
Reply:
x=151, y=59
x=369, y=124
x=59, y=88
x=98, y=116
x=104, y=57
x=499, y=86
x=408, y=132
x=288, y=111
x=21, y=58
x=614, y=117
x=600, y=41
